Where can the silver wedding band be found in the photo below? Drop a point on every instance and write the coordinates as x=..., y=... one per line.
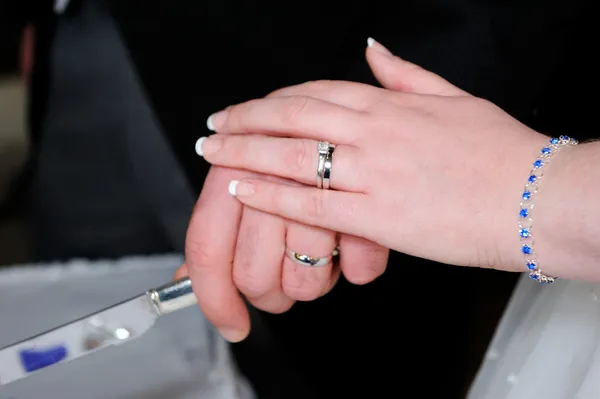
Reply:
x=309, y=261
x=325, y=163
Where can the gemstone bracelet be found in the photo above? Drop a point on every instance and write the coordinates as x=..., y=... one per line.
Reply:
x=527, y=204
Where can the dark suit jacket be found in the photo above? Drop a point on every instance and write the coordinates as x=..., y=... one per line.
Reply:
x=419, y=330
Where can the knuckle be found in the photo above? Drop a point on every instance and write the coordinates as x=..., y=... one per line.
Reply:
x=303, y=284
x=281, y=92
x=317, y=87
x=245, y=276
x=249, y=283
x=311, y=88
x=239, y=118
x=484, y=103
x=199, y=254
x=413, y=69
x=293, y=110
x=302, y=290
x=298, y=155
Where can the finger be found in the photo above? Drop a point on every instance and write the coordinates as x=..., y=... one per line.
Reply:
x=336, y=272
x=362, y=261
x=295, y=159
x=301, y=282
x=297, y=116
x=333, y=210
x=397, y=74
x=257, y=264
x=210, y=245
x=358, y=96
x=181, y=272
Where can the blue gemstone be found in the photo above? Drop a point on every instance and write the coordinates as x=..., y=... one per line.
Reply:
x=526, y=196
x=531, y=265
x=524, y=213
x=554, y=141
x=564, y=138
x=538, y=164
x=534, y=276
x=532, y=178
x=526, y=249
x=546, y=150
x=524, y=233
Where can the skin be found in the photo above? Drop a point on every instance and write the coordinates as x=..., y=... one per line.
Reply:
x=424, y=168
x=234, y=251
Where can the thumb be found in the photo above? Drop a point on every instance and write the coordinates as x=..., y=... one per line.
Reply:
x=397, y=74
x=181, y=272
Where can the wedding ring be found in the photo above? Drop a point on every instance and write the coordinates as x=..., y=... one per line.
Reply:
x=306, y=260
x=324, y=165
x=323, y=148
x=327, y=167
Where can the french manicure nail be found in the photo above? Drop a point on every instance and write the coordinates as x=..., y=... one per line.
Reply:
x=209, y=124
x=377, y=46
x=199, y=144
x=216, y=120
x=233, y=186
x=211, y=144
x=232, y=335
x=241, y=188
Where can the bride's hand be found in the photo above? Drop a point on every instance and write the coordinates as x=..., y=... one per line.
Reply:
x=438, y=174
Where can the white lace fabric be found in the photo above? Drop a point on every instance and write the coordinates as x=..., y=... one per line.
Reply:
x=546, y=346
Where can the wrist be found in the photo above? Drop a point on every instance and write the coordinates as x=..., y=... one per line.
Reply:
x=512, y=176
x=544, y=224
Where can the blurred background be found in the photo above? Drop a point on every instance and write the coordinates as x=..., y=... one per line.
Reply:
x=14, y=239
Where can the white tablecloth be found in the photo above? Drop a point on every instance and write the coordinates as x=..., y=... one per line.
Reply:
x=182, y=357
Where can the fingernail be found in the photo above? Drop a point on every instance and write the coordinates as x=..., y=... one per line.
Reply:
x=216, y=120
x=199, y=144
x=377, y=46
x=232, y=335
x=233, y=187
x=209, y=145
x=241, y=188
